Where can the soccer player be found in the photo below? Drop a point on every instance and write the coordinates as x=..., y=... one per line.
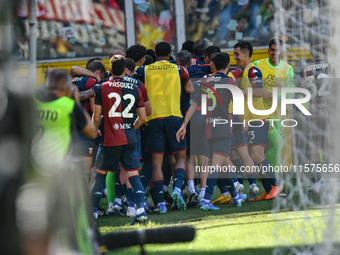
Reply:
x=276, y=74
x=258, y=130
x=219, y=136
x=198, y=48
x=118, y=100
x=316, y=76
x=200, y=146
x=83, y=83
x=164, y=81
x=137, y=53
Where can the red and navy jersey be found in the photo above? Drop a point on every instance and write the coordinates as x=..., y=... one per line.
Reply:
x=217, y=107
x=316, y=76
x=236, y=73
x=195, y=71
x=119, y=100
x=139, y=84
x=84, y=83
x=199, y=60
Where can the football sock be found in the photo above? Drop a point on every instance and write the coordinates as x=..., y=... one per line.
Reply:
x=268, y=170
x=130, y=198
x=118, y=188
x=110, y=186
x=266, y=183
x=210, y=188
x=96, y=189
x=166, y=172
x=237, y=163
x=251, y=178
x=124, y=189
x=191, y=185
x=152, y=193
x=138, y=191
x=221, y=185
x=146, y=174
x=179, y=177
x=158, y=191
x=276, y=144
x=231, y=187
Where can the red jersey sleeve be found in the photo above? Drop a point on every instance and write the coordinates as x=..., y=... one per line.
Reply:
x=184, y=75
x=140, y=99
x=90, y=83
x=144, y=92
x=237, y=73
x=255, y=77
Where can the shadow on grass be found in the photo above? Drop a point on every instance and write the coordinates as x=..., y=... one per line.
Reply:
x=254, y=251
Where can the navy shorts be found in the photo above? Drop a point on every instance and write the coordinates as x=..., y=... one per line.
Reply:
x=220, y=145
x=198, y=141
x=108, y=157
x=162, y=136
x=258, y=135
x=146, y=156
x=238, y=138
x=84, y=146
x=139, y=144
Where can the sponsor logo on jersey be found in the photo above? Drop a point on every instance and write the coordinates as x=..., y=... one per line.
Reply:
x=122, y=126
x=154, y=67
x=315, y=67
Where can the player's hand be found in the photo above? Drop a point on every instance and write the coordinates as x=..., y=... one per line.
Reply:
x=97, y=77
x=193, y=62
x=99, y=133
x=245, y=128
x=75, y=94
x=181, y=133
x=266, y=94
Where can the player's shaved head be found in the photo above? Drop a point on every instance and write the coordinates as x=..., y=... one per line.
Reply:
x=118, y=52
x=58, y=80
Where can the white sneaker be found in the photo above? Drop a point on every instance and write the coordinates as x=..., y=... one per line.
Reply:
x=110, y=211
x=239, y=188
x=253, y=194
x=131, y=212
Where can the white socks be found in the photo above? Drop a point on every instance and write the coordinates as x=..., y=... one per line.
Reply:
x=191, y=186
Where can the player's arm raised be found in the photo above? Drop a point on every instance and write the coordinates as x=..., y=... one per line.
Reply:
x=79, y=71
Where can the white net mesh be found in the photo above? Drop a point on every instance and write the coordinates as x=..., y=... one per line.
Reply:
x=309, y=217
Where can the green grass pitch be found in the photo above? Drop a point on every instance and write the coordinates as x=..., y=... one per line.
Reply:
x=232, y=230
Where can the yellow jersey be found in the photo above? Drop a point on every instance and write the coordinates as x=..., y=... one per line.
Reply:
x=278, y=76
x=162, y=81
x=252, y=78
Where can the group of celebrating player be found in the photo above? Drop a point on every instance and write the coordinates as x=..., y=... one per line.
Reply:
x=147, y=107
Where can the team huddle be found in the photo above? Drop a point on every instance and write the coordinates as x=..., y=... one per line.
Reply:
x=158, y=118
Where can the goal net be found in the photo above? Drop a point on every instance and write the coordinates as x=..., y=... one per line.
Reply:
x=308, y=219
